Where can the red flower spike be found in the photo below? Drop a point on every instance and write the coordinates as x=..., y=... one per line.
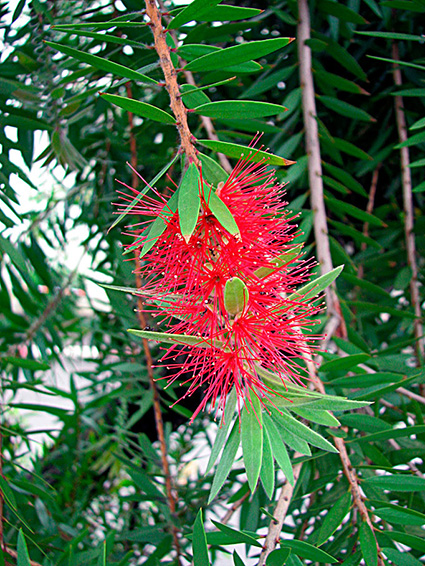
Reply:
x=186, y=280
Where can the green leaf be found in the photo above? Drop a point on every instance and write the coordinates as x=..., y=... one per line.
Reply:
x=252, y=440
x=278, y=448
x=222, y=431
x=239, y=109
x=139, y=108
x=103, y=37
x=397, y=62
x=211, y=170
x=101, y=63
x=199, y=542
x=144, y=191
x=239, y=151
x=189, y=201
x=401, y=558
x=25, y=363
x=220, y=211
x=339, y=82
x=400, y=516
x=302, y=431
x=307, y=551
x=278, y=557
x=237, y=560
x=224, y=13
x=391, y=35
x=351, y=149
x=345, y=207
x=318, y=416
x=345, y=109
x=413, y=541
x=393, y=433
x=267, y=472
x=279, y=261
x=194, y=11
x=237, y=536
x=7, y=493
x=345, y=362
x=23, y=558
x=194, y=51
x=158, y=226
x=334, y=518
x=100, y=25
x=316, y=286
x=226, y=461
x=405, y=5
x=413, y=140
x=346, y=179
x=368, y=545
x=340, y=11
x=397, y=482
x=198, y=341
x=237, y=54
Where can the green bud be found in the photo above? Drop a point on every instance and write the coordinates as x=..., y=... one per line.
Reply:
x=236, y=295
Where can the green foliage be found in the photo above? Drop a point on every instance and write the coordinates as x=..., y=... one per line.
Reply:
x=91, y=489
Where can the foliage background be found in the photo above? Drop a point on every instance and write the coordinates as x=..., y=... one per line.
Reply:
x=100, y=477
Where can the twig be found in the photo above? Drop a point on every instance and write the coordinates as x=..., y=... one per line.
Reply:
x=411, y=395
x=205, y=120
x=369, y=210
x=171, y=84
x=234, y=508
x=159, y=424
x=406, y=180
x=275, y=527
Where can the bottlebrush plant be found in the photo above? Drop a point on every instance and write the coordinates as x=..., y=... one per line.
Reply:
x=222, y=270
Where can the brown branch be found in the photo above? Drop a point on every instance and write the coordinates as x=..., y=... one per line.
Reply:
x=159, y=423
x=205, y=120
x=275, y=527
x=234, y=508
x=369, y=210
x=171, y=84
x=406, y=180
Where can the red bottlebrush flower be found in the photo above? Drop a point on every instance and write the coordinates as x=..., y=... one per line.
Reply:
x=230, y=291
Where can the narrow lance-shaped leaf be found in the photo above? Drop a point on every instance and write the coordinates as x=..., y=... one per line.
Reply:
x=278, y=449
x=239, y=109
x=139, y=108
x=220, y=211
x=199, y=542
x=226, y=461
x=23, y=558
x=315, y=287
x=101, y=63
x=334, y=518
x=238, y=54
x=278, y=557
x=267, y=472
x=174, y=338
x=222, y=431
x=189, y=201
x=238, y=151
x=368, y=545
x=252, y=440
x=193, y=12
x=144, y=191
